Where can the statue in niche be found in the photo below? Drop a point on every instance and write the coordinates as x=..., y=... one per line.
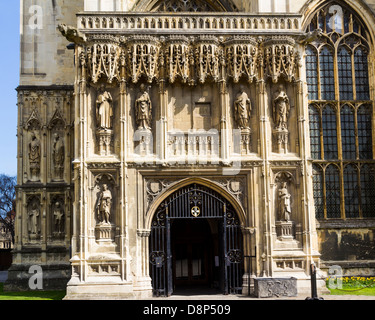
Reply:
x=284, y=203
x=33, y=217
x=242, y=109
x=281, y=109
x=58, y=214
x=34, y=156
x=143, y=109
x=104, y=111
x=104, y=205
x=58, y=153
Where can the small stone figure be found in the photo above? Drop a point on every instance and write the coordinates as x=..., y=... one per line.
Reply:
x=58, y=214
x=58, y=152
x=104, y=205
x=281, y=108
x=33, y=219
x=104, y=112
x=34, y=156
x=242, y=109
x=143, y=109
x=284, y=203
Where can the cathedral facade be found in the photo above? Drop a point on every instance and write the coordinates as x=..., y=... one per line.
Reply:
x=165, y=144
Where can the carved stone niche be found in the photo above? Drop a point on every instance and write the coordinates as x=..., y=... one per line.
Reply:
x=104, y=209
x=33, y=217
x=285, y=227
x=33, y=148
x=104, y=120
x=56, y=129
x=57, y=217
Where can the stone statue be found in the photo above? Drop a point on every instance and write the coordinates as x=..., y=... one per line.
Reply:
x=281, y=108
x=58, y=153
x=104, y=111
x=284, y=203
x=143, y=109
x=34, y=155
x=58, y=214
x=242, y=109
x=33, y=219
x=104, y=205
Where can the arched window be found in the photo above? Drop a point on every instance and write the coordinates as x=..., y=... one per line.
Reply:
x=327, y=86
x=364, y=115
x=333, y=190
x=367, y=191
x=348, y=132
x=361, y=75
x=351, y=191
x=315, y=144
x=312, y=72
x=340, y=114
x=329, y=133
x=318, y=191
x=344, y=62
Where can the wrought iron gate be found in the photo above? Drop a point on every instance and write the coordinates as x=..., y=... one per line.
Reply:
x=196, y=202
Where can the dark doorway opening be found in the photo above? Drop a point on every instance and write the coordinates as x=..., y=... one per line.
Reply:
x=195, y=256
x=196, y=243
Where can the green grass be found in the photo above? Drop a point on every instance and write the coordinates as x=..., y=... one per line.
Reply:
x=31, y=295
x=359, y=286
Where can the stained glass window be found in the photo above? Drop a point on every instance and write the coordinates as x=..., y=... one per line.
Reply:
x=329, y=133
x=333, y=191
x=312, y=73
x=367, y=191
x=340, y=115
x=364, y=132
x=314, y=119
x=348, y=132
x=326, y=74
x=344, y=62
x=361, y=75
x=318, y=191
x=351, y=191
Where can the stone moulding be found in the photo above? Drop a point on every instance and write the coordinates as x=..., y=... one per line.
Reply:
x=189, y=22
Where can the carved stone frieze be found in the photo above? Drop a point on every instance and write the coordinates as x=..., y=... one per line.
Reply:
x=234, y=186
x=143, y=57
x=281, y=59
x=242, y=56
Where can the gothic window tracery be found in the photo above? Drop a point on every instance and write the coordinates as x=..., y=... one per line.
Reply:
x=340, y=114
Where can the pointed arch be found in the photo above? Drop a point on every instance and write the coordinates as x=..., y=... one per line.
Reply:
x=201, y=181
x=363, y=14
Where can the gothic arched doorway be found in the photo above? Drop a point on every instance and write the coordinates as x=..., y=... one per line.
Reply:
x=196, y=239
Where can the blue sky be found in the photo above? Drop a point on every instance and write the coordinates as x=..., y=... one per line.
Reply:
x=10, y=35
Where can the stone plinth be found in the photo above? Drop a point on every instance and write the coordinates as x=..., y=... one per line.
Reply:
x=275, y=287
x=285, y=230
x=105, y=137
x=104, y=233
x=281, y=138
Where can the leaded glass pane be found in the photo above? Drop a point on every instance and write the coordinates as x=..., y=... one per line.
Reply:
x=364, y=132
x=333, y=192
x=326, y=75
x=348, y=133
x=318, y=191
x=329, y=133
x=367, y=191
x=312, y=73
x=314, y=119
x=351, y=192
x=345, y=74
x=361, y=75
